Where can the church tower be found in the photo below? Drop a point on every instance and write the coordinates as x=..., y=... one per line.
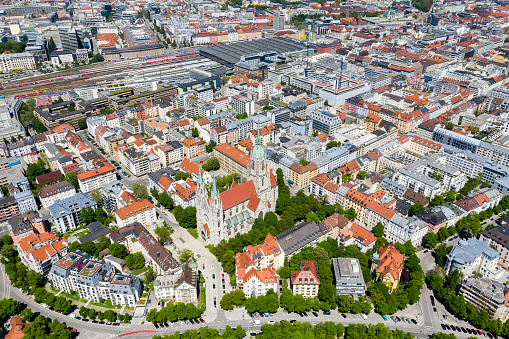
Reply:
x=258, y=170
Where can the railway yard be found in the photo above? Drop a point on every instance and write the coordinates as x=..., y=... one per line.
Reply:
x=170, y=68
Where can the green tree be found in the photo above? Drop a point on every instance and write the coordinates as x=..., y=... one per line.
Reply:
x=118, y=250
x=27, y=315
x=100, y=215
x=97, y=196
x=362, y=175
x=185, y=255
x=332, y=144
x=165, y=200
x=135, y=261
x=88, y=247
x=163, y=235
x=303, y=162
x=211, y=165
x=416, y=209
x=141, y=191
x=378, y=230
x=87, y=215
x=181, y=175
x=82, y=123
x=72, y=178
x=449, y=125
x=210, y=146
x=195, y=133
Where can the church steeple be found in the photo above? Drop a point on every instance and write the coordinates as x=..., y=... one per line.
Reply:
x=200, y=178
x=214, y=187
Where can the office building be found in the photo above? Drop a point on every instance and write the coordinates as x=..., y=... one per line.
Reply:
x=348, y=277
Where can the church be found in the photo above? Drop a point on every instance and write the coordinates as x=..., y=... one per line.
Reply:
x=225, y=214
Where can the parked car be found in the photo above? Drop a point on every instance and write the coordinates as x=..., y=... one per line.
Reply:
x=326, y=313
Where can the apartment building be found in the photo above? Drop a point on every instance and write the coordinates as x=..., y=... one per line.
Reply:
x=325, y=122
x=306, y=280
x=487, y=295
x=388, y=266
x=66, y=213
x=96, y=178
x=8, y=208
x=40, y=251
x=94, y=279
x=257, y=282
x=265, y=255
x=170, y=154
x=322, y=185
x=48, y=195
x=135, y=161
x=136, y=238
x=498, y=238
x=301, y=175
x=142, y=212
x=193, y=147
x=471, y=255
x=25, y=224
x=180, y=287
x=112, y=194
x=348, y=277
x=232, y=159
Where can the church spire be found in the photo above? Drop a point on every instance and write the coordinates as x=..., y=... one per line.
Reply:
x=214, y=187
x=200, y=178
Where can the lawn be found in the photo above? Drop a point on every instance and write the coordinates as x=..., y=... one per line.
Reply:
x=193, y=232
x=202, y=301
x=140, y=271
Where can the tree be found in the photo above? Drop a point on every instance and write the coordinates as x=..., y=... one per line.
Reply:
x=135, y=261
x=195, y=133
x=362, y=175
x=87, y=215
x=100, y=215
x=97, y=58
x=332, y=144
x=441, y=254
x=181, y=175
x=141, y=191
x=350, y=214
x=165, y=200
x=320, y=254
x=185, y=255
x=110, y=315
x=416, y=209
x=149, y=275
x=27, y=315
x=378, y=230
x=74, y=246
x=210, y=146
x=97, y=196
x=284, y=272
x=449, y=125
x=163, y=234
x=442, y=234
x=88, y=247
x=82, y=123
x=72, y=178
x=303, y=162
x=211, y=165
x=118, y=250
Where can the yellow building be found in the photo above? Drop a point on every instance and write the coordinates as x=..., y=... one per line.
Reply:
x=388, y=265
x=301, y=175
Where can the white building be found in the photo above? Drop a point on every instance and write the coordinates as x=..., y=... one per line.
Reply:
x=179, y=287
x=139, y=211
x=471, y=255
x=258, y=282
x=96, y=178
x=59, y=191
x=66, y=213
x=9, y=62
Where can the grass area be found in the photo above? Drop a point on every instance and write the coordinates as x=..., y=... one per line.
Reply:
x=193, y=232
x=106, y=304
x=202, y=301
x=140, y=271
x=83, y=233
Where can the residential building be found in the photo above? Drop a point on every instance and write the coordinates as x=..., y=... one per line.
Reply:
x=12, y=61
x=170, y=154
x=23, y=225
x=348, y=277
x=388, y=266
x=8, y=208
x=141, y=211
x=94, y=279
x=438, y=217
x=472, y=255
x=232, y=159
x=296, y=238
x=136, y=238
x=66, y=213
x=479, y=201
x=112, y=194
x=498, y=238
x=258, y=282
x=487, y=295
x=325, y=122
x=306, y=280
x=40, y=251
x=48, y=195
x=180, y=287
x=135, y=161
x=265, y=255
x=96, y=178
x=353, y=234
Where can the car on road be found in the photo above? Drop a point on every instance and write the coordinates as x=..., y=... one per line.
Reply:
x=315, y=314
x=434, y=309
x=213, y=276
x=447, y=327
x=213, y=285
x=149, y=302
x=463, y=330
x=85, y=320
x=73, y=330
x=191, y=321
x=305, y=314
x=394, y=319
x=51, y=308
